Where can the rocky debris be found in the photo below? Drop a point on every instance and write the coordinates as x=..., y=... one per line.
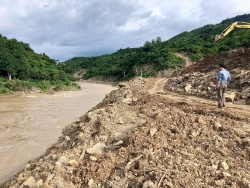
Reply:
x=195, y=79
x=30, y=182
x=137, y=82
x=120, y=85
x=224, y=165
x=62, y=161
x=230, y=96
x=73, y=163
x=234, y=59
x=203, y=84
x=96, y=149
x=148, y=184
x=136, y=139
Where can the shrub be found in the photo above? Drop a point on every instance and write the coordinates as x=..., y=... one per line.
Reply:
x=4, y=90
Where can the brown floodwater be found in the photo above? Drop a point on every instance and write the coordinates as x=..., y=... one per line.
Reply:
x=29, y=124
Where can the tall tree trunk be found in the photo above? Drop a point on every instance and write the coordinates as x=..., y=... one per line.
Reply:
x=9, y=75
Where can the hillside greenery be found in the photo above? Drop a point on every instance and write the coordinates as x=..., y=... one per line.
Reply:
x=200, y=43
x=159, y=55
x=123, y=64
x=21, y=69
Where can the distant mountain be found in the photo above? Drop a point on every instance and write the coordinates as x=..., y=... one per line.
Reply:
x=156, y=55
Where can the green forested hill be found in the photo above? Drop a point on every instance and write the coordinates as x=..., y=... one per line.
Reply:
x=123, y=63
x=200, y=42
x=21, y=68
x=159, y=54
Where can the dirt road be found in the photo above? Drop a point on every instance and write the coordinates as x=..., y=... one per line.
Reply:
x=158, y=88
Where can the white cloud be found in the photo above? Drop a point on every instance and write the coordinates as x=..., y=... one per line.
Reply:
x=70, y=28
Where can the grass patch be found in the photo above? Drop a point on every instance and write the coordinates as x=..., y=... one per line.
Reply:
x=9, y=86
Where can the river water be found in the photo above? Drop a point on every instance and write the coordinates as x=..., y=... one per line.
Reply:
x=29, y=124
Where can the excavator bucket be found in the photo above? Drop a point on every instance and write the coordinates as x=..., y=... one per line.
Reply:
x=217, y=37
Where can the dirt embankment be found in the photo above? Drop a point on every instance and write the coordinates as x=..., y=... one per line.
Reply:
x=234, y=59
x=156, y=133
x=141, y=135
x=186, y=58
x=199, y=79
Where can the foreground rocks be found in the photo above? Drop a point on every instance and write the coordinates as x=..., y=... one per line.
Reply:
x=136, y=139
x=199, y=78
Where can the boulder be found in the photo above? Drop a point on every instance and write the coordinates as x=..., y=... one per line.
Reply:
x=30, y=182
x=230, y=96
x=245, y=94
x=148, y=184
x=224, y=165
x=120, y=85
x=73, y=163
x=244, y=82
x=96, y=149
x=188, y=88
x=62, y=161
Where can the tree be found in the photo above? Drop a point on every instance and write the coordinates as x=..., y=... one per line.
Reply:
x=12, y=58
x=147, y=46
x=7, y=62
x=153, y=41
x=158, y=40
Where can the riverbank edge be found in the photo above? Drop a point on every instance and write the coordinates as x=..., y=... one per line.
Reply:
x=2, y=184
x=54, y=145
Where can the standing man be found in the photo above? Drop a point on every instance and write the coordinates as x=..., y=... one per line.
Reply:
x=221, y=86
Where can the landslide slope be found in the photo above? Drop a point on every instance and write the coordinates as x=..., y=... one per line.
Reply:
x=199, y=79
x=141, y=135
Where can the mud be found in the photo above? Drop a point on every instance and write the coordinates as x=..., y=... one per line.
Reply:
x=31, y=123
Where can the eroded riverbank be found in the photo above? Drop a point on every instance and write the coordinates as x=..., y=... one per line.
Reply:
x=29, y=124
x=141, y=135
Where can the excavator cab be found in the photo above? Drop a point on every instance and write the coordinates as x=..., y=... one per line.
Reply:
x=230, y=28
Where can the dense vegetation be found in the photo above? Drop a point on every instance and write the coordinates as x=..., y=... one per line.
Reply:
x=124, y=63
x=21, y=69
x=200, y=42
x=156, y=55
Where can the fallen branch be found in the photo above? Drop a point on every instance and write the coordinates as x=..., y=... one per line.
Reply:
x=159, y=184
x=130, y=163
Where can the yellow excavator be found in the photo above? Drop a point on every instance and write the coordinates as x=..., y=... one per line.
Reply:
x=230, y=28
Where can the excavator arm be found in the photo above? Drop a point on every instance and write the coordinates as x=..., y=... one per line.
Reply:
x=230, y=28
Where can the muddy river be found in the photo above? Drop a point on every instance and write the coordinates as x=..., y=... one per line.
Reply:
x=31, y=123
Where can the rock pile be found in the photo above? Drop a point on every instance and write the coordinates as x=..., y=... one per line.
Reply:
x=234, y=59
x=200, y=78
x=134, y=139
x=203, y=84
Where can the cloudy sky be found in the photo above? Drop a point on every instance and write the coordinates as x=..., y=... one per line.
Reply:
x=72, y=28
